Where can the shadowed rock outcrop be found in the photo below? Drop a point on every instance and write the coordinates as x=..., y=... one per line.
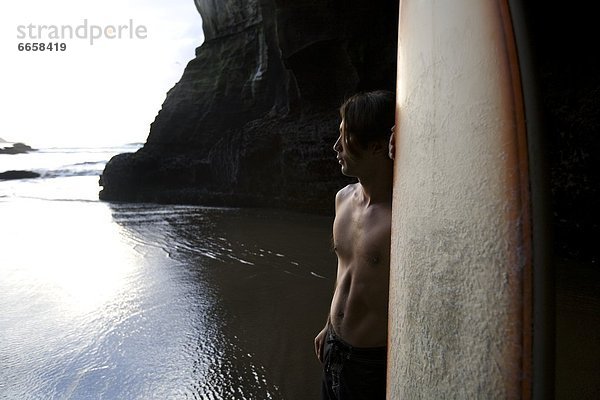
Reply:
x=254, y=117
x=16, y=148
x=11, y=175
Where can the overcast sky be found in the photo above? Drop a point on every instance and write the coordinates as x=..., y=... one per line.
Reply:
x=107, y=93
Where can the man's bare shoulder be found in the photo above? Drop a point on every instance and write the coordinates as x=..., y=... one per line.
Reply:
x=345, y=193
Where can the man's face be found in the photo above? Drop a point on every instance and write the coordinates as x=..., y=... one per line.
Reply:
x=351, y=162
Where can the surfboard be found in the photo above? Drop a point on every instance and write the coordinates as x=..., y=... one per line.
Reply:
x=468, y=280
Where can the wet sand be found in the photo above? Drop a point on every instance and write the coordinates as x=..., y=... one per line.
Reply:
x=271, y=302
x=140, y=301
x=278, y=310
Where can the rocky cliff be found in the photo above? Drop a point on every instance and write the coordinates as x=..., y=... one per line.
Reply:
x=15, y=148
x=254, y=117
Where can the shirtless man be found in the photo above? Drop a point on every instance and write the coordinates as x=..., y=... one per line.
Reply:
x=352, y=345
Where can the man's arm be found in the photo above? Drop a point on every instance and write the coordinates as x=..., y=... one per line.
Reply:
x=321, y=337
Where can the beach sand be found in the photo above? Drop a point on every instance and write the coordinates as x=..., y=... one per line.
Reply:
x=272, y=274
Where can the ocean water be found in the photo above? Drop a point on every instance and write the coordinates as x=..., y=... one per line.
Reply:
x=145, y=301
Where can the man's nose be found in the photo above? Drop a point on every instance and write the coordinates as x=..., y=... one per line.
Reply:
x=336, y=145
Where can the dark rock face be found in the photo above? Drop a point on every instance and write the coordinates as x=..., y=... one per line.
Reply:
x=253, y=119
x=8, y=175
x=17, y=148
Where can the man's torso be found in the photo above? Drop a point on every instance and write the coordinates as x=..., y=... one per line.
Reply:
x=362, y=243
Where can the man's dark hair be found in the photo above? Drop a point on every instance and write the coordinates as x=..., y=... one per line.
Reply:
x=368, y=116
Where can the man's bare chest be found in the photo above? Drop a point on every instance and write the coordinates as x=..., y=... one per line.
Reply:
x=362, y=239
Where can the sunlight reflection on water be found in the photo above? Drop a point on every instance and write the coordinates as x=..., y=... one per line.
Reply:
x=81, y=262
x=127, y=301
x=89, y=308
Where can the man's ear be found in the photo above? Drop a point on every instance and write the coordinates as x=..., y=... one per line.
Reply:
x=392, y=144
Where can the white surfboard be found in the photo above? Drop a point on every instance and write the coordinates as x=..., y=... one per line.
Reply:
x=462, y=299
